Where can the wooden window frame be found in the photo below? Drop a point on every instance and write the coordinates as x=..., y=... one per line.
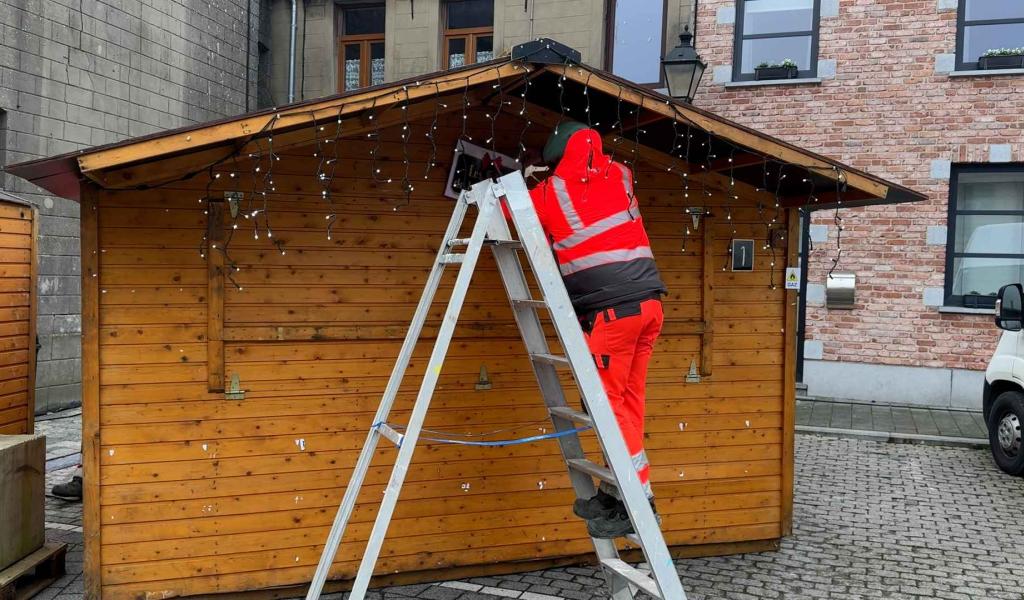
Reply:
x=739, y=38
x=961, y=29
x=609, y=48
x=471, y=34
x=363, y=40
x=951, y=254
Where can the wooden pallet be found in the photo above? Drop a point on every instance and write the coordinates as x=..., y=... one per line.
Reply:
x=32, y=574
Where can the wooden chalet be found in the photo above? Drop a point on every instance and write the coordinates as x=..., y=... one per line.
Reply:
x=230, y=373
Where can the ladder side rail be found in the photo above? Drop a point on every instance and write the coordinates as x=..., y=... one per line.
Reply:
x=534, y=339
x=538, y=252
x=433, y=371
x=391, y=391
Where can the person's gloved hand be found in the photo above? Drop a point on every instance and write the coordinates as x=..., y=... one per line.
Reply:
x=531, y=169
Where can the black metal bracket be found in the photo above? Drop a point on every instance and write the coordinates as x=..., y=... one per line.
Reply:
x=547, y=52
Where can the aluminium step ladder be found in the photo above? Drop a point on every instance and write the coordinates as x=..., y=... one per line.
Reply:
x=491, y=229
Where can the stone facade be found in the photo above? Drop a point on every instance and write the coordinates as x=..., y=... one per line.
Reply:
x=75, y=74
x=886, y=102
x=413, y=33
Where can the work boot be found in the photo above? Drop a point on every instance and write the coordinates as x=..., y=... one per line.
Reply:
x=71, y=490
x=615, y=524
x=601, y=505
x=654, y=508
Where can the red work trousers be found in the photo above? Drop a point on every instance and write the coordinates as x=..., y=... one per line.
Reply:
x=622, y=343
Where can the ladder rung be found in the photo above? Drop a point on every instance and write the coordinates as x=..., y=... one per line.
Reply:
x=453, y=259
x=529, y=302
x=458, y=242
x=506, y=243
x=575, y=416
x=632, y=575
x=551, y=359
x=634, y=539
x=594, y=470
x=387, y=431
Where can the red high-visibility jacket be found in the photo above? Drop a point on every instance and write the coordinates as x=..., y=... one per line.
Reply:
x=589, y=212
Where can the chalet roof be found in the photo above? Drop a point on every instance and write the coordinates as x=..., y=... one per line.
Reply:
x=634, y=117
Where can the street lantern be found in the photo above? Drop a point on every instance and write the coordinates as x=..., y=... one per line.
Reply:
x=683, y=68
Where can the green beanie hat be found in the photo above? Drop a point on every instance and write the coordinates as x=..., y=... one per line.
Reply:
x=559, y=139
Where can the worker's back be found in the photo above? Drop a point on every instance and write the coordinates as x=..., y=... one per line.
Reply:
x=590, y=214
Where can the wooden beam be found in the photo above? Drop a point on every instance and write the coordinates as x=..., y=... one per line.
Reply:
x=305, y=333
x=732, y=132
x=291, y=117
x=715, y=181
x=662, y=159
x=789, y=375
x=91, y=476
x=215, y=296
x=826, y=199
x=708, y=299
x=33, y=331
x=180, y=166
x=645, y=120
x=738, y=162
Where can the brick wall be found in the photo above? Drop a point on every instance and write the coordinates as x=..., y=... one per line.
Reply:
x=891, y=108
x=77, y=73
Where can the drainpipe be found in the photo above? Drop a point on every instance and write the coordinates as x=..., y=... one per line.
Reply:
x=291, y=51
x=693, y=21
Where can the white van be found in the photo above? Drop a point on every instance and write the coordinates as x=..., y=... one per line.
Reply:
x=1003, y=400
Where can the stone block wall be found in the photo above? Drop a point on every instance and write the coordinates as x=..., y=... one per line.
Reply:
x=77, y=73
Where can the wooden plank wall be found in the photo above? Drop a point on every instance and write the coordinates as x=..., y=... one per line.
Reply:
x=17, y=318
x=200, y=494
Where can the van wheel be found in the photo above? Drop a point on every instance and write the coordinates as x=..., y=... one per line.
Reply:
x=1005, y=431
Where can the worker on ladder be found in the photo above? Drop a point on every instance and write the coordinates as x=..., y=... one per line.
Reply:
x=589, y=212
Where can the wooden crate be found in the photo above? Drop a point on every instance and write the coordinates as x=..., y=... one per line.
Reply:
x=22, y=479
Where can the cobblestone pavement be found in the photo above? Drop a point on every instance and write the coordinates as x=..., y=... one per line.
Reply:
x=871, y=520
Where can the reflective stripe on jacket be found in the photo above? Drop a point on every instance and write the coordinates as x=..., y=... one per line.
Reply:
x=592, y=219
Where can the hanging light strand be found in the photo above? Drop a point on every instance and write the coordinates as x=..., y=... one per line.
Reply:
x=432, y=132
x=837, y=220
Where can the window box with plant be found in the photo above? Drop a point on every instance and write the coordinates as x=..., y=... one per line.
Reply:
x=786, y=69
x=1002, y=58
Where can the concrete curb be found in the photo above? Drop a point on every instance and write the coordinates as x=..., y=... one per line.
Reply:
x=825, y=399
x=896, y=438
x=63, y=462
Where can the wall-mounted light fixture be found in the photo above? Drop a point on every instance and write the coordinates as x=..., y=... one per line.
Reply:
x=683, y=68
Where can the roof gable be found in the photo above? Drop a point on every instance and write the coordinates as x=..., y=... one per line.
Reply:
x=618, y=108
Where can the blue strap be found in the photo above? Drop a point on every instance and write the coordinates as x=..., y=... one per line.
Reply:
x=515, y=442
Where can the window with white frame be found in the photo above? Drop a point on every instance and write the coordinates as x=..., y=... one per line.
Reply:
x=773, y=32
x=990, y=34
x=985, y=241
x=637, y=40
